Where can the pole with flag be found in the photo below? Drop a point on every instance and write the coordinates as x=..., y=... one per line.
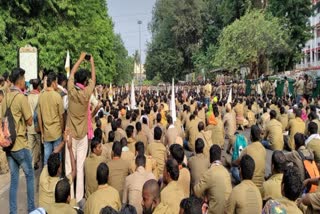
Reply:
x=173, y=103
x=67, y=64
x=230, y=96
x=132, y=97
x=110, y=93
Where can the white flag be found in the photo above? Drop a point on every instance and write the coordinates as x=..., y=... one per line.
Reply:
x=173, y=103
x=132, y=98
x=230, y=96
x=67, y=64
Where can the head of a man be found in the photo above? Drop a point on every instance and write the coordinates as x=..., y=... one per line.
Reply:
x=150, y=196
x=52, y=80
x=139, y=146
x=17, y=78
x=171, y=171
x=116, y=149
x=247, y=167
x=140, y=161
x=129, y=131
x=278, y=161
x=81, y=76
x=215, y=153
x=200, y=126
x=273, y=114
x=177, y=153
x=312, y=128
x=157, y=133
x=192, y=205
x=102, y=174
x=255, y=133
x=62, y=191
x=291, y=185
x=199, y=146
x=54, y=165
x=299, y=140
x=96, y=146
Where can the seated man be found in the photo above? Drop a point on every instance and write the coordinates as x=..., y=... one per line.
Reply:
x=51, y=173
x=313, y=142
x=273, y=133
x=62, y=199
x=192, y=205
x=105, y=195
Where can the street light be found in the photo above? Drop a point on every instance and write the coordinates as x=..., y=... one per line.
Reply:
x=140, y=73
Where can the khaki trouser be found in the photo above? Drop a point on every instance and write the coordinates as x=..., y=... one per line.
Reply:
x=34, y=146
x=79, y=148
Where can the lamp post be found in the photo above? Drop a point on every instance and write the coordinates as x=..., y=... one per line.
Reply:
x=140, y=70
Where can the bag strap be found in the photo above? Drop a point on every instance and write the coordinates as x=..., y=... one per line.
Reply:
x=11, y=100
x=301, y=155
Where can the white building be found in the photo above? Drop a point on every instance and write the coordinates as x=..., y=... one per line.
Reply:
x=139, y=72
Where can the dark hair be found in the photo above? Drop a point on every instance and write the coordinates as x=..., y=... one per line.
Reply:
x=124, y=142
x=94, y=143
x=102, y=173
x=177, y=153
x=35, y=83
x=53, y=164
x=109, y=119
x=255, y=133
x=144, y=120
x=279, y=161
x=81, y=76
x=118, y=122
x=129, y=131
x=169, y=120
x=292, y=183
x=192, y=205
x=298, y=112
x=273, y=114
x=128, y=209
x=108, y=210
x=16, y=74
x=138, y=126
x=114, y=126
x=139, y=146
x=140, y=160
x=200, y=126
x=61, y=78
x=62, y=191
x=247, y=166
x=159, y=118
x=117, y=149
x=313, y=128
x=111, y=136
x=215, y=153
x=98, y=134
x=51, y=78
x=172, y=168
x=157, y=133
x=298, y=140
x=199, y=146
x=282, y=110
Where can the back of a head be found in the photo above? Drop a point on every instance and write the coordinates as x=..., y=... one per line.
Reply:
x=265, y=109
x=94, y=143
x=273, y=114
x=192, y=205
x=128, y=209
x=144, y=120
x=312, y=115
x=118, y=123
x=53, y=164
x=81, y=76
x=16, y=74
x=282, y=110
x=35, y=83
x=177, y=153
x=299, y=140
x=313, y=128
x=61, y=78
x=199, y=146
x=298, y=112
x=247, y=166
x=200, y=126
x=292, y=183
x=157, y=133
x=152, y=187
x=172, y=168
x=140, y=161
x=62, y=191
x=114, y=126
x=279, y=161
x=124, y=142
x=102, y=174
x=98, y=134
x=111, y=136
x=109, y=119
x=138, y=126
x=139, y=146
x=159, y=118
x=117, y=149
x=108, y=210
x=129, y=131
x=215, y=153
x=52, y=77
x=255, y=133
x=169, y=120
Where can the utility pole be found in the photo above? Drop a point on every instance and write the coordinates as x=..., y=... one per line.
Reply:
x=140, y=72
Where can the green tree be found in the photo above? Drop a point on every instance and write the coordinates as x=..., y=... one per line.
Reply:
x=249, y=42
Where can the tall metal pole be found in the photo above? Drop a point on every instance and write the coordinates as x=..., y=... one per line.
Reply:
x=140, y=72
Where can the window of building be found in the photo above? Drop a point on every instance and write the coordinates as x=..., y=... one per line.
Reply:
x=318, y=53
x=318, y=32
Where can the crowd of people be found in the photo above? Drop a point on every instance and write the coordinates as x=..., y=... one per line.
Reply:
x=100, y=154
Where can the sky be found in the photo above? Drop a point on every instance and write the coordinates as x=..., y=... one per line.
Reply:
x=125, y=15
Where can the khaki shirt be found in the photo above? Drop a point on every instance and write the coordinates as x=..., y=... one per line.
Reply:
x=272, y=187
x=127, y=155
x=217, y=133
x=33, y=102
x=51, y=111
x=131, y=145
x=284, y=120
x=192, y=132
x=206, y=137
x=90, y=171
x=258, y=154
x=141, y=137
x=118, y=171
x=104, y=196
x=107, y=151
x=159, y=152
x=274, y=134
x=79, y=99
x=151, y=166
x=47, y=186
x=171, y=136
x=244, y=198
x=197, y=164
x=132, y=193
x=21, y=112
x=161, y=209
x=171, y=196
x=230, y=124
x=290, y=206
x=295, y=125
x=215, y=183
x=119, y=134
x=314, y=145
x=184, y=181
x=60, y=208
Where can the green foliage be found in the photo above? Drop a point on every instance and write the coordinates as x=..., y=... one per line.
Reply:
x=249, y=41
x=55, y=26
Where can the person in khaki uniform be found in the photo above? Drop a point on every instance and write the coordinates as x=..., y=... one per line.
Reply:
x=172, y=194
x=206, y=137
x=141, y=136
x=295, y=125
x=192, y=131
x=239, y=110
x=215, y=183
x=62, y=199
x=50, y=116
x=230, y=124
x=273, y=133
x=151, y=199
x=177, y=153
x=107, y=147
x=245, y=197
x=90, y=167
x=105, y=195
x=131, y=140
x=126, y=154
x=217, y=130
x=171, y=133
x=313, y=142
x=119, y=169
x=158, y=151
x=258, y=153
x=283, y=118
x=272, y=187
x=132, y=192
x=251, y=117
x=198, y=164
x=119, y=132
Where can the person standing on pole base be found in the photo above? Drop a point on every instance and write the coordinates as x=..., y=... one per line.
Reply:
x=19, y=155
x=79, y=92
